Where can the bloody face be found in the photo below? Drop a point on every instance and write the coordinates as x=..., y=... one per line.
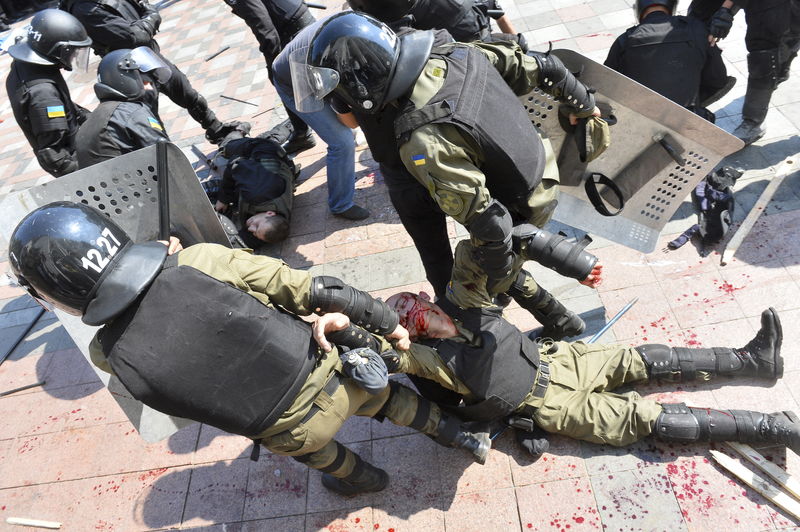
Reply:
x=420, y=317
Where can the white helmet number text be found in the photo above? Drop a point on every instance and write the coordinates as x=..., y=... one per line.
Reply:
x=94, y=258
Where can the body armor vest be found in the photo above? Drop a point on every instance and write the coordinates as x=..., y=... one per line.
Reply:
x=655, y=51
x=94, y=143
x=500, y=372
x=459, y=17
x=195, y=347
x=27, y=75
x=127, y=9
x=477, y=100
x=379, y=128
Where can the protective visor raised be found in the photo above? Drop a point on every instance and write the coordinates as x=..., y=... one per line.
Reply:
x=151, y=64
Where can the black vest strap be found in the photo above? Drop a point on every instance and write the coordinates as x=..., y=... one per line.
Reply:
x=93, y=143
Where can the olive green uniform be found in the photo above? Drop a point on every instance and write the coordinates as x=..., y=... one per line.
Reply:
x=451, y=170
x=579, y=401
x=296, y=433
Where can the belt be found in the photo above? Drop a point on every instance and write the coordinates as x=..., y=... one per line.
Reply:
x=330, y=388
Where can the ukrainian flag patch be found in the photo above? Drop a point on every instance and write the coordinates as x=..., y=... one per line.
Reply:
x=155, y=124
x=56, y=111
x=419, y=160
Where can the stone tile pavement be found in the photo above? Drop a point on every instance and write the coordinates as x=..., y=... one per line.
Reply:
x=68, y=454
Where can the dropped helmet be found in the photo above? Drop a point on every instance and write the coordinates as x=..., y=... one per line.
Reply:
x=54, y=37
x=359, y=59
x=122, y=73
x=79, y=260
x=642, y=5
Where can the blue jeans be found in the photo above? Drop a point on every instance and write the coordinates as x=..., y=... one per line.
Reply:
x=341, y=156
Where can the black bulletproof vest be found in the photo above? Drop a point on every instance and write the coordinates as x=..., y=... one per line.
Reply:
x=127, y=9
x=477, y=100
x=500, y=373
x=23, y=77
x=459, y=17
x=662, y=54
x=94, y=143
x=198, y=348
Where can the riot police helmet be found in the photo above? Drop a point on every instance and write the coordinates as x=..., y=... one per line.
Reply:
x=122, y=73
x=72, y=257
x=54, y=37
x=643, y=5
x=384, y=10
x=360, y=60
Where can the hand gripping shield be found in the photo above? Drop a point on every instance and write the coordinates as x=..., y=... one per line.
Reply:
x=659, y=152
x=126, y=189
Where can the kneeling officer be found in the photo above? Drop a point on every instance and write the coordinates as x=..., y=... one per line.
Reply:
x=241, y=360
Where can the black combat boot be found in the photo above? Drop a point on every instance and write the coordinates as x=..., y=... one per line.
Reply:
x=299, y=141
x=472, y=437
x=557, y=321
x=679, y=423
x=754, y=111
x=364, y=478
x=761, y=357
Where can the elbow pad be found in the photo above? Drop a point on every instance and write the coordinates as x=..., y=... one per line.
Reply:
x=554, y=251
x=492, y=225
x=354, y=338
x=329, y=294
x=556, y=79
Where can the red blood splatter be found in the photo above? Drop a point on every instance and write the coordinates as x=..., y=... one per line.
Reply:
x=530, y=525
x=578, y=519
x=358, y=519
x=728, y=288
x=377, y=526
x=3, y=508
x=391, y=530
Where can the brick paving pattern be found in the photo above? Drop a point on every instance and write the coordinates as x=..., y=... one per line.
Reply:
x=68, y=453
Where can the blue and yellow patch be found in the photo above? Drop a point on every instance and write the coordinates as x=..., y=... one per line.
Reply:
x=56, y=111
x=419, y=160
x=155, y=124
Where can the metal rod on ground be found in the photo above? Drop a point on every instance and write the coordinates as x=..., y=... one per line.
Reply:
x=315, y=5
x=262, y=112
x=24, y=521
x=212, y=166
x=238, y=100
x=785, y=168
x=23, y=335
x=163, y=190
x=21, y=388
x=212, y=56
x=612, y=321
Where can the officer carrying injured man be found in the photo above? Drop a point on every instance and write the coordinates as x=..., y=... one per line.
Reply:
x=480, y=157
x=280, y=388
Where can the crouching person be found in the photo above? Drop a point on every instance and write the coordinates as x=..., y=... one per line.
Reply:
x=241, y=359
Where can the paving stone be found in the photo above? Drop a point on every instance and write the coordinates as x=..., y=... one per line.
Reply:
x=216, y=492
x=559, y=505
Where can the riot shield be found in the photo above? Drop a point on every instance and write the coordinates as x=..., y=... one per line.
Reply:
x=659, y=152
x=125, y=189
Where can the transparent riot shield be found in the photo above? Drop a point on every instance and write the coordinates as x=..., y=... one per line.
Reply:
x=659, y=152
x=125, y=188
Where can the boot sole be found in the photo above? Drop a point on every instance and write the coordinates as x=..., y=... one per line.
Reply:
x=779, y=341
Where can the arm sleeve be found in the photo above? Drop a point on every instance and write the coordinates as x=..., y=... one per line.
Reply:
x=266, y=278
x=614, y=59
x=55, y=151
x=425, y=362
x=109, y=29
x=256, y=16
x=520, y=71
x=446, y=164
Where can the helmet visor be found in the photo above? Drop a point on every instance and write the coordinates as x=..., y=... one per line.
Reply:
x=151, y=64
x=79, y=60
x=310, y=84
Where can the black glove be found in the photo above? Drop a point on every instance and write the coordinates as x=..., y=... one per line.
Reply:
x=535, y=441
x=721, y=23
x=556, y=79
